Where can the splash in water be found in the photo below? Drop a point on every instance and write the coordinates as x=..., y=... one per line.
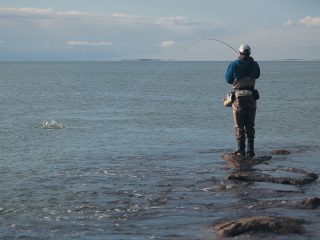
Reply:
x=51, y=125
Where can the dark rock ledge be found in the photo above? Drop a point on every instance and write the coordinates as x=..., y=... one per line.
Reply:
x=306, y=203
x=310, y=202
x=245, y=171
x=244, y=163
x=260, y=224
x=253, y=176
x=280, y=152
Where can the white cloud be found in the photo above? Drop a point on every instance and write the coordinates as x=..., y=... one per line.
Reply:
x=48, y=13
x=87, y=43
x=25, y=11
x=288, y=23
x=179, y=23
x=167, y=44
x=291, y=40
x=39, y=13
x=310, y=21
x=307, y=21
x=127, y=18
x=172, y=20
x=175, y=23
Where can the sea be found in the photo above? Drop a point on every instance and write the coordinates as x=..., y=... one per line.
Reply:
x=132, y=149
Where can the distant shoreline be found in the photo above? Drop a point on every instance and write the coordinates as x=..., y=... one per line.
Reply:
x=152, y=60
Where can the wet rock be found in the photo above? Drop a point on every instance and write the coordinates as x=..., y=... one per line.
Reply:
x=280, y=152
x=311, y=202
x=253, y=176
x=244, y=163
x=256, y=224
x=245, y=171
x=158, y=201
x=307, y=203
x=237, y=158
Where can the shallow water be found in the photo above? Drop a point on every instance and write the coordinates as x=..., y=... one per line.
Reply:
x=139, y=156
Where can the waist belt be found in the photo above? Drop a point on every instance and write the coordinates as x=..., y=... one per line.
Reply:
x=243, y=93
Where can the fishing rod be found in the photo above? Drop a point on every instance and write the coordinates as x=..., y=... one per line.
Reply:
x=212, y=39
x=227, y=146
x=201, y=40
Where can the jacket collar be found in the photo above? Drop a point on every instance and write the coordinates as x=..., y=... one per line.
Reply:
x=245, y=58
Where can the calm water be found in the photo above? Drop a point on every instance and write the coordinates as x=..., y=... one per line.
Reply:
x=139, y=157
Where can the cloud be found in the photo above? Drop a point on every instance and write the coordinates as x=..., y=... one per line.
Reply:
x=172, y=23
x=40, y=30
x=87, y=43
x=310, y=21
x=127, y=19
x=307, y=21
x=167, y=44
x=179, y=23
x=292, y=39
x=24, y=11
x=48, y=13
x=288, y=23
x=39, y=13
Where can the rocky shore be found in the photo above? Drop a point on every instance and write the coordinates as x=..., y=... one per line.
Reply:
x=246, y=170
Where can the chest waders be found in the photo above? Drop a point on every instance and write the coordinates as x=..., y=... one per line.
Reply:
x=244, y=113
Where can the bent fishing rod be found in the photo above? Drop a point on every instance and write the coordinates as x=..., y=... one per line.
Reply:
x=212, y=39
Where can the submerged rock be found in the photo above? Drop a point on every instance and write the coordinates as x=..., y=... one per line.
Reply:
x=253, y=176
x=256, y=224
x=306, y=203
x=280, y=152
x=245, y=171
x=311, y=202
x=244, y=163
x=252, y=160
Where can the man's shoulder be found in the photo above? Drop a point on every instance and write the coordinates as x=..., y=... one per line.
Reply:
x=234, y=62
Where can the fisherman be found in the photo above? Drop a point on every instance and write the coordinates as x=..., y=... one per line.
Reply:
x=242, y=74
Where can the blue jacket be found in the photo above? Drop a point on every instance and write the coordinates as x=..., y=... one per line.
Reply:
x=242, y=67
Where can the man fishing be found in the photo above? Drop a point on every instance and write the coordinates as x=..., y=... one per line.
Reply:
x=242, y=74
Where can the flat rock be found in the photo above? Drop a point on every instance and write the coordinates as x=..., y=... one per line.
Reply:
x=311, y=202
x=280, y=152
x=263, y=224
x=242, y=162
x=306, y=203
x=253, y=176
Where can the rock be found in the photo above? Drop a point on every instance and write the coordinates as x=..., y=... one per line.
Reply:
x=280, y=152
x=307, y=203
x=244, y=163
x=237, y=158
x=311, y=202
x=158, y=201
x=252, y=176
x=256, y=224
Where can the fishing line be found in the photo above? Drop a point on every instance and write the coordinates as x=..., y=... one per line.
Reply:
x=195, y=43
x=227, y=146
x=211, y=39
x=165, y=66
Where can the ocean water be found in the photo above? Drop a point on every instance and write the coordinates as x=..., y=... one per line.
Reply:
x=139, y=154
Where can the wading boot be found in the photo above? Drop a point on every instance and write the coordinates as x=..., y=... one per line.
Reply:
x=240, y=151
x=250, y=148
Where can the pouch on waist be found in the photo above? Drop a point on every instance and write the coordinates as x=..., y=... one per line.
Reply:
x=243, y=93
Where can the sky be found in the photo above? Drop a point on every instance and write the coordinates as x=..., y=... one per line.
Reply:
x=108, y=30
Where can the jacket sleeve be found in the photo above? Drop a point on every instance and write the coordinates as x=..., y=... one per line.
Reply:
x=256, y=71
x=230, y=73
